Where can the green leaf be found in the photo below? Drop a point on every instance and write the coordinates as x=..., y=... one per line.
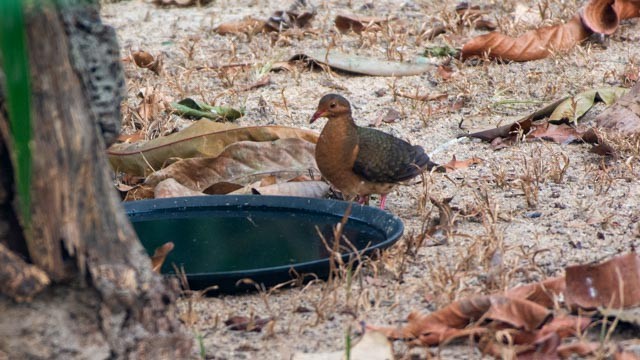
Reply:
x=575, y=107
x=441, y=51
x=192, y=109
x=15, y=63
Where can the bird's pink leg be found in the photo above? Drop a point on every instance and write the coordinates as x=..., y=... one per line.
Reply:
x=383, y=200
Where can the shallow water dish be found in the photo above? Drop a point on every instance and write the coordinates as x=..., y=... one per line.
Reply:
x=222, y=239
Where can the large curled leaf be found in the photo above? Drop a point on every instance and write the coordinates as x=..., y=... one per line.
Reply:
x=362, y=64
x=611, y=284
x=532, y=45
x=196, y=110
x=603, y=16
x=202, y=139
x=239, y=160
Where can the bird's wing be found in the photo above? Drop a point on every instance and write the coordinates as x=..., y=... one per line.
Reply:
x=386, y=159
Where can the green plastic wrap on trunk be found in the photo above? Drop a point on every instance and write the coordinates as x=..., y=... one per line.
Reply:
x=15, y=64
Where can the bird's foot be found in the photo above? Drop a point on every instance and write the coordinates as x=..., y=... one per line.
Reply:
x=363, y=200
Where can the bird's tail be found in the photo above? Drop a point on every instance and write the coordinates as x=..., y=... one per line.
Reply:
x=424, y=162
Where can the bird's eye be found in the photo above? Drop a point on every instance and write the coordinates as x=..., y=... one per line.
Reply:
x=332, y=105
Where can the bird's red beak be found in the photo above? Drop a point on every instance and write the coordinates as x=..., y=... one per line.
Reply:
x=318, y=114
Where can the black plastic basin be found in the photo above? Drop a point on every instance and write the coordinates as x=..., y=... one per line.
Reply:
x=222, y=239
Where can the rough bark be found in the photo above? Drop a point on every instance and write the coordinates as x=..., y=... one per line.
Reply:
x=18, y=279
x=76, y=81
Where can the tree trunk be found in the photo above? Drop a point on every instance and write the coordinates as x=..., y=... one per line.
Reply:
x=105, y=301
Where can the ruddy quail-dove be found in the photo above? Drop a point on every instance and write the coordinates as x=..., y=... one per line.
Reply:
x=360, y=161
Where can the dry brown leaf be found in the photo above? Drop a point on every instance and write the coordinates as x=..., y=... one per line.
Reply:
x=146, y=61
x=564, y=326
x=358, y=24
x=142, y=58
x=561, y=133
x=159, y=255
x=530, y=325
x=204, y=138
x=445, y=71
x=580, y=348
x=390, y=116
x=518, y=313
x=131, y=138
x=453, y=320
x=139, y=192
x=546, y=348
x=268, y=180
x=624, y=115
x=248, y=25
x=446, y=219
x=611, y=284
x=543, y=343
x=123, y=187
x=222, y=188
x=542, y=293
x=603, y=16
x=533, y=45
x=243, y=323
x=455, y=164
x=522, y=126
x=151, y=104
x=241, y=162
x=170, y=188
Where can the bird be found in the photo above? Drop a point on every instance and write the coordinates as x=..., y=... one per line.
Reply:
x=360, y=161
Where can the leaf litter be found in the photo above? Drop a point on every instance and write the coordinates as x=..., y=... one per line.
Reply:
x=530, y=322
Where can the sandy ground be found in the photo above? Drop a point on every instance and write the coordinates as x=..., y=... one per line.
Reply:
x=503, y=235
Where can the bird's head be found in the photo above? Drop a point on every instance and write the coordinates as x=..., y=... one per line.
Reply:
x=331, y=106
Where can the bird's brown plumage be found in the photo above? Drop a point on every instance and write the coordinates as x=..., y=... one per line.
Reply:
x=362, y=161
